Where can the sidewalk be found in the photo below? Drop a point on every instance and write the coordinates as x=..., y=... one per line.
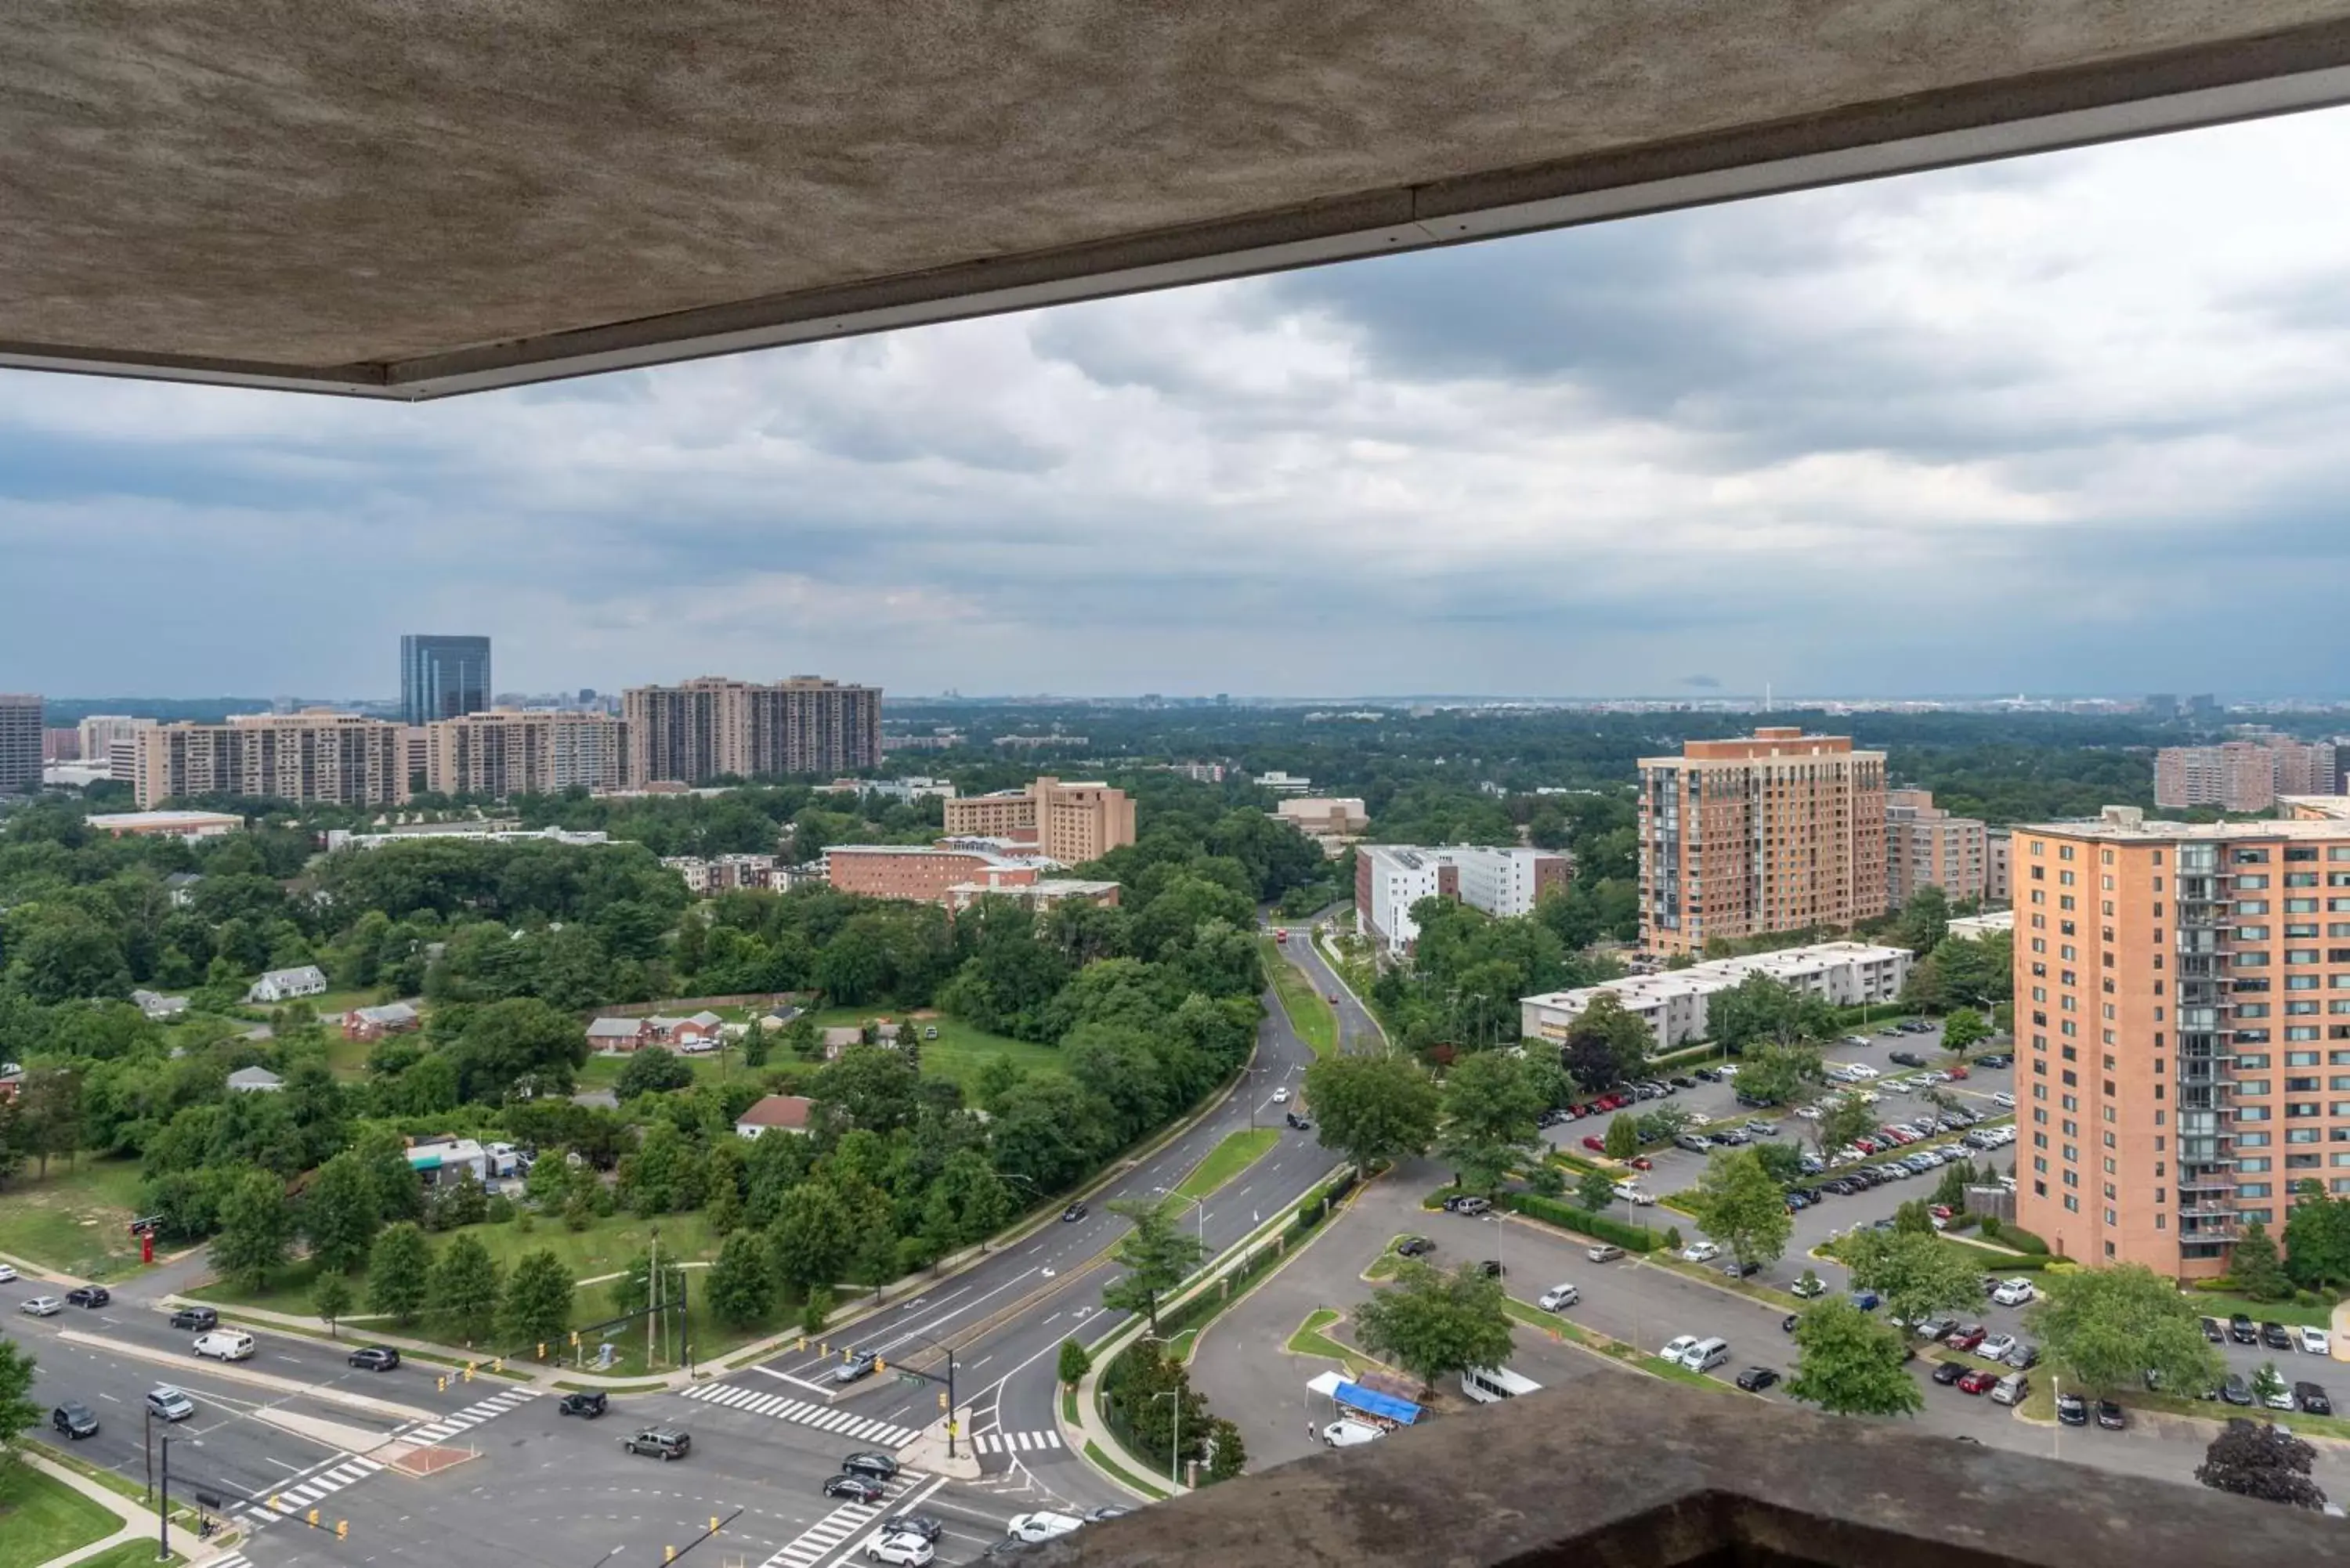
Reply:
x=138, y=1522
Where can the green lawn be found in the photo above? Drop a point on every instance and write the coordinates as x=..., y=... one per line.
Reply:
x=1309, y=1340
x=1310, y=1014
x=603, y=1072
x=74, y=1220
x=960, y=1051
x=2211, y=1304
x=132, y=1554
x=1237, y=1152
x=41, y=1518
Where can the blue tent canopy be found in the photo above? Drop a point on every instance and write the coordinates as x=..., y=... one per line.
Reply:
x=1371, y=1402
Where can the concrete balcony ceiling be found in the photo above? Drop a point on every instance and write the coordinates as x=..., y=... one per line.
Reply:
x=400, y=199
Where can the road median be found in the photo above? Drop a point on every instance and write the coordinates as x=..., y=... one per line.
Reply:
x=232, y=1372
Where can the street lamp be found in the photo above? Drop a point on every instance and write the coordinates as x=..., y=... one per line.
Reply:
x=1175, y=1443
x=163, y=1508
x=1494, y=1219
x=1198, y=1207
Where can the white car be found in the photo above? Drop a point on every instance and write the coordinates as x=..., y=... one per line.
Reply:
x=1345, y=1434
x=1558, y=1296
x=911, y=1550
x=2014, y=1292
x=1280, y=1096
x=1998, y=1347
x=1678, y=1348
x=1806, y=1112
x=2313, y=1341
x=7, y=1273
x=1700, y=1253
x=2003, y=1099
x=43, y=1306
x=1630, y=1193
x=1040, y=1526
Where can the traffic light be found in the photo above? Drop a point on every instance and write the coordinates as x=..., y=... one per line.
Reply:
x=276, y=1506
x=713, y=1524
x=441, y=1384
x=942, y=1398
x=575, y=1339
x=879, y=1365
x=469, y=1372
x=669, y=1553
x=823, y=1348
x=312, y=1517
x=342, y=1529
x=499, y=1364
x=802, y=1345
x=542, y=1350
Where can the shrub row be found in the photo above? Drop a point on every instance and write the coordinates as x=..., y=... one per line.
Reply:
x=1583, y=1222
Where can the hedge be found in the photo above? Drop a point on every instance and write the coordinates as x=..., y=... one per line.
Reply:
x=1583, y=1222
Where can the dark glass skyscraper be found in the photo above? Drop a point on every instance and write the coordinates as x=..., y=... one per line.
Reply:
x=443, y=677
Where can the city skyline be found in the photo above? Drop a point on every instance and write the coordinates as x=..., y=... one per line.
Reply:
x=1953, y=431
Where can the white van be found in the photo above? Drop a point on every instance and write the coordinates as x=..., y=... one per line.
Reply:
x=225, y=1344
x=1345, y=1434
x=1706, y=1355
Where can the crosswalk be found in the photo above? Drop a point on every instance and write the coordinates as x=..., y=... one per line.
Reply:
x=807, y=1413
x=1016, y=1442
x=307, y=1492
x=233, y=1560
x=446, y=1427
x=837, y=1526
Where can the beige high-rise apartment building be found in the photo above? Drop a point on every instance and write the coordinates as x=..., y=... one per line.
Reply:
x=313, y=756
x=1774, y=831
x=20, y=742
x=2182, y=1000
x=1927, y=846
x=111, y=739
x=1072, y=823
x=508, y=752
x=712, y=727
x=2237, y=775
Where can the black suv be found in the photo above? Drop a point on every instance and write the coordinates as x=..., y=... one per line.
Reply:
x=2072, y=1410
x=1906, y=1058
x=74, y=1419
x=1949, y=1372
x=664, y=1443
x=2312, y=1399
x=88, y=1297
x=857, y=1489
x=590, y=1403
x=2214, y=1331
x=1073, y=1213
x=1413, y=1246
x=203, y=1320
x=2273, y=1335
x=878, y=1465
x=2240, y=1330
x=374, y=1358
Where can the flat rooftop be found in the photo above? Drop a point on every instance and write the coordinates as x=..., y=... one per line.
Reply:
x=2161, y=831
x=401, y=201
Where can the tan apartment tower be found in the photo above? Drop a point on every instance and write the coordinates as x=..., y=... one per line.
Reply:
x=712, y=727
x=1071, y=823
x=315, y=756
x=509, y=752
x=2182, y=1001
x=1774, y=831
x=1927, y=846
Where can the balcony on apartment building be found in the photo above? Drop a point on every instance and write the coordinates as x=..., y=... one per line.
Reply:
x=1624, y=1471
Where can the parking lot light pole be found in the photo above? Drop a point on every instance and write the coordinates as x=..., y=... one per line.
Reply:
x=163, y=1508
x=1175, y=1443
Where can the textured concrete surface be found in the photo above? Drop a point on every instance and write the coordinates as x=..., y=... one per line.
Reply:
x=411, y=198
x=1652, y=1474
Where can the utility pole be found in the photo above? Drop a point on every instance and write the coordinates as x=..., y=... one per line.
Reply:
x=652, y=1298
x=163, y=1508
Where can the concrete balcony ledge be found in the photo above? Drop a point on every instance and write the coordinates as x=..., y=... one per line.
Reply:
x=1627, y=1473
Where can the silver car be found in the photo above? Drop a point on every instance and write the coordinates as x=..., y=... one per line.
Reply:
x=43, y=1306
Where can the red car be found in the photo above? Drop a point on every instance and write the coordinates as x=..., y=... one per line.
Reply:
x=1939, y=1211
x=1596, y=1145
x=1641, y=1162
x=1966, y=1338
x=1959, y=1071
x=1978, y=1382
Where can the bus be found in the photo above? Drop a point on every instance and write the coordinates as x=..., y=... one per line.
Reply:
x=1489, y=1385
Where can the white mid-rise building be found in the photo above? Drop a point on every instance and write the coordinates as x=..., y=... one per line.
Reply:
x=1673, y=1004
x=1389, y=878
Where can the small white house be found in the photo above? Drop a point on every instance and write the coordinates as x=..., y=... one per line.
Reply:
x=286, y=984
x=438, y=1160
x=255, y=1081
x=157, y=1007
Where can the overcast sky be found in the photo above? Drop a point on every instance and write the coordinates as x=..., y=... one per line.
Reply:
x=2076, y=423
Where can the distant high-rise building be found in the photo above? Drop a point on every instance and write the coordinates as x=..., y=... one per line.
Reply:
x=712, y=727
x=1776, y=831
x=2203, y=706
x=109, y=738
x=2246, y=774
x=20, y=742
x=1927, y=846
x=442, y=676
x=1072, y=823
x=313, y=756
x=2161, y=705
x=508, y=752
x=587, y=695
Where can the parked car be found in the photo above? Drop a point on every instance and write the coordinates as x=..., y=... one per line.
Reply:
x=1557, y=1297
x=374, y=1358
x=2272, y=1335
x=2072, y=1410
x=1414, y=1246
x=1755, y=1379
x=1949, y=1372
x=2315, y=1342
x=1472, y=1205
x=1996, y=1348
x=2313, y=1399
x=88, y=1297
x=1707, y=1076
x=169, y=1404
x=1638, y=1196
x=1683, y=1083
x=2240, y=1330
x=2235, y=1390
x=667, y=1443
x=1596, y=1145
x=1807, y=1289
x=2214, y=1331
x=1492, y=1269
x=1866, y=1301
x=74, y=1419
x=1604, y=1252
x=587, y=1403
x=856, y=1489
x=1679, y=1347
x=1737, y=1271
x=1696, y=1143
x=1977, y=1381
x=2110, y=1417
x=1700, y=1253
x=1965, y=1339
x=7, y=1273
x=2014, y=1292
x=2023, y=1357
